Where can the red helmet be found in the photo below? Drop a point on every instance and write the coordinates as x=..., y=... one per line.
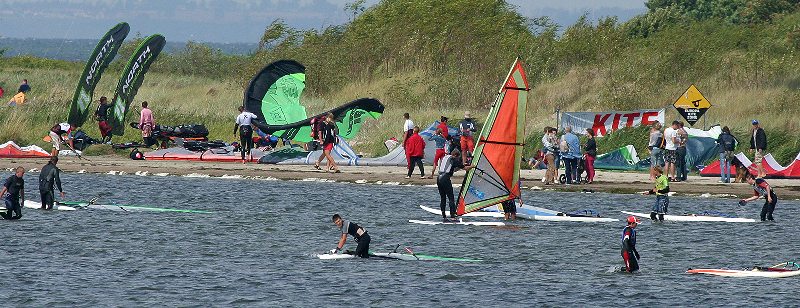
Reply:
x=633, y=219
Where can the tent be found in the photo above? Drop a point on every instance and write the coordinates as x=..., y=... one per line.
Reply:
x=12, y=150
x=624, y=158
x=771, y=166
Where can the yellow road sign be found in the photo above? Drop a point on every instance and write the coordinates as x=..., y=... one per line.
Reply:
x=692, y=99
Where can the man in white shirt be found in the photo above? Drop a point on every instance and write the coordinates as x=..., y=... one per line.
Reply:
x=670, y=147
x=244, y=124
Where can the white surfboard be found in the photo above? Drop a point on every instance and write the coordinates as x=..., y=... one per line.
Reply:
x=694, y=217
x=744, y=273
x=38, y=205
x=472, y=214
x=460, y=222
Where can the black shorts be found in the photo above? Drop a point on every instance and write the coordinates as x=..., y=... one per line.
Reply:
x=510, y=207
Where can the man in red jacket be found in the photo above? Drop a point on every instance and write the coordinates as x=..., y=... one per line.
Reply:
x=415, y=149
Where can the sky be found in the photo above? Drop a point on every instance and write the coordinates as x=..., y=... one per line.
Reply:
x=232, y=21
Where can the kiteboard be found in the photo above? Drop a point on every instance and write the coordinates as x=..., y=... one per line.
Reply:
x=783, y=270
x=703, y=218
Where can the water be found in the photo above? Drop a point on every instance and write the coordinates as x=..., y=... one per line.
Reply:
x=258, y=249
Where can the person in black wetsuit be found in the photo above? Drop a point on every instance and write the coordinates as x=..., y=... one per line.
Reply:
x=762, y=189
x=244, y=124
x=49, y=180
x=13, y=194
x=448, y=165
x=629, y=254
x=510, y=209
x=359, y=234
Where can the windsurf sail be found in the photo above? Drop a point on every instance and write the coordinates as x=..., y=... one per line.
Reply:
x=273, y=95
x=498, y=154
x=132, y=78
x=103, y=53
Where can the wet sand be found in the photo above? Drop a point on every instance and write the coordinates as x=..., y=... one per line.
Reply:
x=605, y=181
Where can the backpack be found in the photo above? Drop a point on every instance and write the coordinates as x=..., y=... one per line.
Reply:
x=728, y=142
x=563, y=146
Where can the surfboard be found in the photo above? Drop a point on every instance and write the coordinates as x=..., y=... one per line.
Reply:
x=526, y=212
x=702, y=218
x=744, y=273
x=395, y=256
x=38, y=205
x=470, y=214
x=460, y=222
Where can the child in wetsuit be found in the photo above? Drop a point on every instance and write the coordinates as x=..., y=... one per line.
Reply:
x=629, y=254
x=661, y=190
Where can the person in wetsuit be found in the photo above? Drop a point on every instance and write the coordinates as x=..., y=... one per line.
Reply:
x=629, y=254
x=762, y=189
x=661, y=190
x=244, y=124
x=13, y=194
x=447, y=166
x=357, y=232
x=49, y=179
x=510, y=209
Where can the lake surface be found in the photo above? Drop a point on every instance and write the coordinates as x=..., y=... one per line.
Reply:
x=259, y=247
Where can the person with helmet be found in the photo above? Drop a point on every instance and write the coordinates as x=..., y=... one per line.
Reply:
x=629, y=254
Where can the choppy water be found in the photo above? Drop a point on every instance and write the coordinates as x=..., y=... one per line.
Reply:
x=258, y=249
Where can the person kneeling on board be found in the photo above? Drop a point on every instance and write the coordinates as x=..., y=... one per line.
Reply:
x=629, y=254
x=661, y=190
x=14, y=195
x=762, y=189
x=49, y=179
x=448, y=165
x=359, y=234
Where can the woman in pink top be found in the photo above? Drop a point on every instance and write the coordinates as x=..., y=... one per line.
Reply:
x=146, y=124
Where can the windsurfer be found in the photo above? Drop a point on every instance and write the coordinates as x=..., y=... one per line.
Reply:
x=55, y=137
x=101, y=115
x=661, y=190
x=49, y=179
x=467, y=127
x=358, y=233
x=629, y=254
x=447, y=166
x=330, y=136
x=762, y=189
x=244, y=125
x=13, y=194
x=510, y=209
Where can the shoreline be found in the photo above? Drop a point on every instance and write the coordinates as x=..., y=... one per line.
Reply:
x=605, y=181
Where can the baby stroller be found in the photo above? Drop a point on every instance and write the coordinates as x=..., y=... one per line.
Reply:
x=583, y=176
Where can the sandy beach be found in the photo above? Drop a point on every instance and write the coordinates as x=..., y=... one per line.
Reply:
x=605, y=181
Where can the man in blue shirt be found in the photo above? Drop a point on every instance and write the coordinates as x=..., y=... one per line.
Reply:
x=570, y=152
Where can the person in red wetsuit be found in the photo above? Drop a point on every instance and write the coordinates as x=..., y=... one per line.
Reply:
x=629, y=254
x=415, y=150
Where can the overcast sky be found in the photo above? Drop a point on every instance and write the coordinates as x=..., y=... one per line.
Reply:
x=229, y=21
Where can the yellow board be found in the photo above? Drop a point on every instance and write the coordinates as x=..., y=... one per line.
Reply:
x=692, y=98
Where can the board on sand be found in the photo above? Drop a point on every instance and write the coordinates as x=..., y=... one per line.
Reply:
x=458, y=222
x=703, y=218
x=394, y=256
